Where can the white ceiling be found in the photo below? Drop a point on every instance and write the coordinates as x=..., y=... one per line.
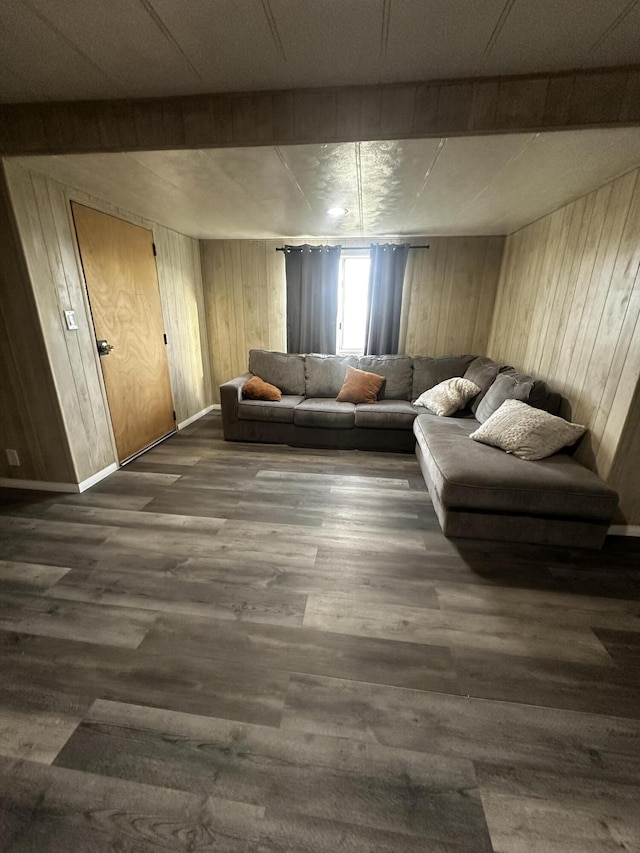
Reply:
x=85, y=49
x=468, y=185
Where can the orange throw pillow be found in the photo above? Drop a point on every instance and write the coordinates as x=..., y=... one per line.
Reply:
x=258, y=389
x=360, y=387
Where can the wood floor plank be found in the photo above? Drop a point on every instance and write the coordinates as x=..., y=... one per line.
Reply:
x=135, y=482
x=186, y=544
x=537, y=812
x=197, y=685
x=27, y=577
x=312, y=775
x=397, y=543
x=131, y=518
x=58, y=810
x=463, y=727
x=108, y=500
x=510, y=636
x=34, y=735
x=296, y=479
x=546, y=608
x=623, y=646
x=549, y=682
x=92, y=623
x=169, y=595
x=288, y=832
x=295, y=650
x=12, y=528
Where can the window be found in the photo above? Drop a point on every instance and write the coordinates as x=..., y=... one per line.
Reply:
x=353, y=291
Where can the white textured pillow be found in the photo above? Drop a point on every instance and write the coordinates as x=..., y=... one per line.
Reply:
x=527, y=432
x=447, y=397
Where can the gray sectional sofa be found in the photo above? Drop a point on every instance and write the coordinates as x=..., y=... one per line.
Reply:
x=477, y=491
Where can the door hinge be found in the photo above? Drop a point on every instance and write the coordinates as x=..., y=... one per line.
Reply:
x=174, y=414
x=165, y=338
x=154, y=249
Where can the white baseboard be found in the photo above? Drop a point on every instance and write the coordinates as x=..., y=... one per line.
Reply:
x=95, y=478
x=198, y=415
x=38, y=485
x=46, y=486
x=624, y=530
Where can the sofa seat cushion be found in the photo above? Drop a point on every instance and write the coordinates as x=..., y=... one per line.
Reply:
x=471, y=476
x=267, y=410
x=324, y=412
x=386, y=414
x=397, y=371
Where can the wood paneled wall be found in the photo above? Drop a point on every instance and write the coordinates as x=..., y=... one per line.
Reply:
x=42, y=211
x=568, y=308
x=180, y=278
x=624, y=475
x=449, y=296
x=244, y=298
x=30, y=416
x=573, y=99
x=450, y=291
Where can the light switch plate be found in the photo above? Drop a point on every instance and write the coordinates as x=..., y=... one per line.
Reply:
x=70, y=317
x=13, y=459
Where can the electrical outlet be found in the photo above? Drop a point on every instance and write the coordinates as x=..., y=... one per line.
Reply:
x=13, y=459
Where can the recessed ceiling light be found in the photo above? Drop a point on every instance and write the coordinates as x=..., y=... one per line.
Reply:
x=337, y=211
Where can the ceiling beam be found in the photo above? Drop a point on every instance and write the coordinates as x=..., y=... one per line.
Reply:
x=606, y=97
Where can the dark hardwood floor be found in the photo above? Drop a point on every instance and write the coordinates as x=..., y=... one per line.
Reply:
x=228, y=647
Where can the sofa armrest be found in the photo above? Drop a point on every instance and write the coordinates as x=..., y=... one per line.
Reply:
x=230, y=397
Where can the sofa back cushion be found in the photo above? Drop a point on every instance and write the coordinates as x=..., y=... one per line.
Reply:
x=282, y=369
x=429, y=372
x=397, y=371
x=512, y=385
x=541, y=396
x=482, y=370
x=324, y=374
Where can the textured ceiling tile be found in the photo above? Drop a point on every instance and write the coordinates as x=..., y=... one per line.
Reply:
x=465, y=185
x=61, y=71
x=554, y=36
x=125, y=41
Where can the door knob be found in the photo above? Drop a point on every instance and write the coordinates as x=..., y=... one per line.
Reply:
x=104, y=347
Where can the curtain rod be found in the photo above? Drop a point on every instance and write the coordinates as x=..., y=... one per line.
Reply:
x=348, y=248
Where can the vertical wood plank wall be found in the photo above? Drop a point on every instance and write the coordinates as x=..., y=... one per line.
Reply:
x=624, y=476
x=180, y=278
x=41, y=207
x=244, y=299
x=450, y=292
x=30, y=416
x=568, y=309
x=449, y=297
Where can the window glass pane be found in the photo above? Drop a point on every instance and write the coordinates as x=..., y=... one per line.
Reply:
x=355, y=288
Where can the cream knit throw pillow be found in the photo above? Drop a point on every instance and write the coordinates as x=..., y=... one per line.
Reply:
x=527, y=432
x=449, y=396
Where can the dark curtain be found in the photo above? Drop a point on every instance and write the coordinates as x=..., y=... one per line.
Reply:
x=312, y=297
x=386, y=277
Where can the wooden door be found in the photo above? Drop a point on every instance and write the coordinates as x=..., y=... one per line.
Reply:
x=122, y=281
